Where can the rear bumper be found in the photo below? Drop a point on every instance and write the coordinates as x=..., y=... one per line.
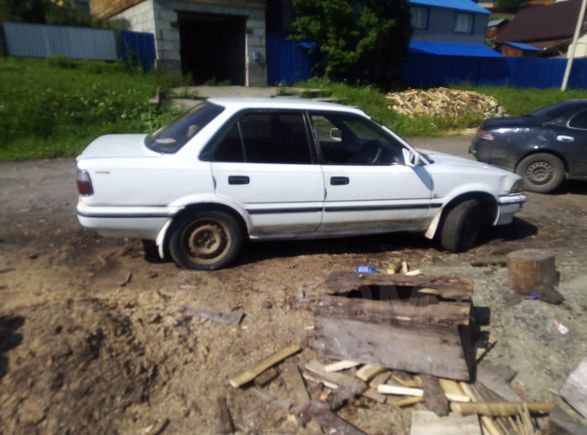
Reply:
x=508, y=206
x=128, y=222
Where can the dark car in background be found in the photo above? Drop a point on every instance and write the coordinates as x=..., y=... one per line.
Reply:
x=544, y=147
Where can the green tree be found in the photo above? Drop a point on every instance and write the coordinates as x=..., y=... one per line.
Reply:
x=360, y=41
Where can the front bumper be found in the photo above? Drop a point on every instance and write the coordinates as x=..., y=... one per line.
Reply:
x=508, y=206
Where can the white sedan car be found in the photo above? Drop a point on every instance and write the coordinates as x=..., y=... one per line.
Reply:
x=259, y=169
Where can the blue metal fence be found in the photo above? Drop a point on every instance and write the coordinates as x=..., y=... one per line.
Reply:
x=140, y=45
x=523, y=72
x=287, y=61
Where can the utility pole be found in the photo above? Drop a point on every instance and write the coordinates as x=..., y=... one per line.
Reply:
x=573, y=46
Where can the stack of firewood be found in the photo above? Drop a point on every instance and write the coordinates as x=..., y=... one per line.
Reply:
x=443, y=102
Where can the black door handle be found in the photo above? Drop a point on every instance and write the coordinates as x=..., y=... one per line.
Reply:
x=238, y=179
x=339, y=181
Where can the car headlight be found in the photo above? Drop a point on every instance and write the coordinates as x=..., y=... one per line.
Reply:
x=517, y=187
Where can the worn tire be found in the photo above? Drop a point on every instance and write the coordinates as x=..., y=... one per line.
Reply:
x=541, y=172
x=151, y=251
x=461, y=226
x=205, y=240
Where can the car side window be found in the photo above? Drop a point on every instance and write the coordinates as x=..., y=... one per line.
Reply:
x=265, y=137
x=347, y=139
x=579, y=120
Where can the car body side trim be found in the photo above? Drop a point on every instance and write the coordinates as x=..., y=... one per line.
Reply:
x=125, y=215
x=383, y=207
x=285, y=210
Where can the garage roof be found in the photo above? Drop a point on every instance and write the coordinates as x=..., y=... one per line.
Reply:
x=452, y=49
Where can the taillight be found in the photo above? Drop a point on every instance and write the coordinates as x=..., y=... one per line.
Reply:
x=482, y=134
x=84, y=183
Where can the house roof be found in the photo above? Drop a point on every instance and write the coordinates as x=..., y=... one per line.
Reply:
x=452, y=49
x=521, y=46
x=459, y=5
x=542, y=23
x=498, y=22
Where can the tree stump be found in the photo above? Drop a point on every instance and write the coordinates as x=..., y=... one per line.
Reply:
x=532, y=270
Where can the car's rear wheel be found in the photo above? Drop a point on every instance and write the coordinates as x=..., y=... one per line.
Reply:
x=541, y=172
x=461, y=226
x=206, y=240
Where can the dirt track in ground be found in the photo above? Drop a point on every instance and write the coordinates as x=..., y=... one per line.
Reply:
x=90, y=338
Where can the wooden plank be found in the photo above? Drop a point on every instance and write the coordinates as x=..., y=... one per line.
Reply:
x=417, y=348
x=428, y=423
x=369, y=371
x=442, y=313
x=563, y=424
x=225, y=417
x=350, y=386
x=574, y=390
x=329, y=421
x=495, y=378
x=373, y=395
x=379, y=379
x=250, y=374
x=233, y=318
x=293, y=379
x=500, y=409
x=266, y=377
x=448, y=287
x=453, y=391
x=407, y=401
x=400, y=391
x=487, y=424
x=434, y=398
x=340, y=365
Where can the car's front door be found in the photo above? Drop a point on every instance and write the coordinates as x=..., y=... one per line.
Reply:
x=368, y=184
x=264, y=160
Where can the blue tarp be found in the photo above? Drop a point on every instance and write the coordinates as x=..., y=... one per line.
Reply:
x=522, y=46
x=452, y=49
x=459, y=5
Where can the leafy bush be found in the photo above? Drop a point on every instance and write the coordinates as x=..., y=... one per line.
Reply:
x=362, y=41
x=45, y=100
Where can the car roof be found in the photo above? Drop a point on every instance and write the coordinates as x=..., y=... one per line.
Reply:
x=237, y=103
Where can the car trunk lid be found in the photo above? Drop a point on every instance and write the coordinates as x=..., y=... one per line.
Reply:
x=118, y=146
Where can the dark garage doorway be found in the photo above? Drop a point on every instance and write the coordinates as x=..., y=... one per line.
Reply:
x=212, y=47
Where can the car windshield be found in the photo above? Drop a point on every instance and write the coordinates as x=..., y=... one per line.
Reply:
x=551, y=112
x=171, y=137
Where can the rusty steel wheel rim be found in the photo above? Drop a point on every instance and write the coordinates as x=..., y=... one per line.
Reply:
x=207, y=241
x=540, y=173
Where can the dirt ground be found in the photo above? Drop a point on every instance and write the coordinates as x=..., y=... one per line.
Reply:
x=90, y=338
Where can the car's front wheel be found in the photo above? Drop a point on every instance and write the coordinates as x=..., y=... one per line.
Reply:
x=461, y=226
x=541, y=172
x=206, y=240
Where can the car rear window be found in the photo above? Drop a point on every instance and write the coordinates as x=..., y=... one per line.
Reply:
x=171, y=137
x=552, y=112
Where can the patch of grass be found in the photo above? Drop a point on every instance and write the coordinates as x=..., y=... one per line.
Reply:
x=373, y=102
x=55, y=107
x=515, y=101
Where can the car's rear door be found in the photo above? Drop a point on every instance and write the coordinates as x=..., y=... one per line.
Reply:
x=368, y=185
x=264, y=160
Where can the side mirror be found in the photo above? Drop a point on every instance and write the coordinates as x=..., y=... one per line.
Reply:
x=410, y=157
x=335, y=134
